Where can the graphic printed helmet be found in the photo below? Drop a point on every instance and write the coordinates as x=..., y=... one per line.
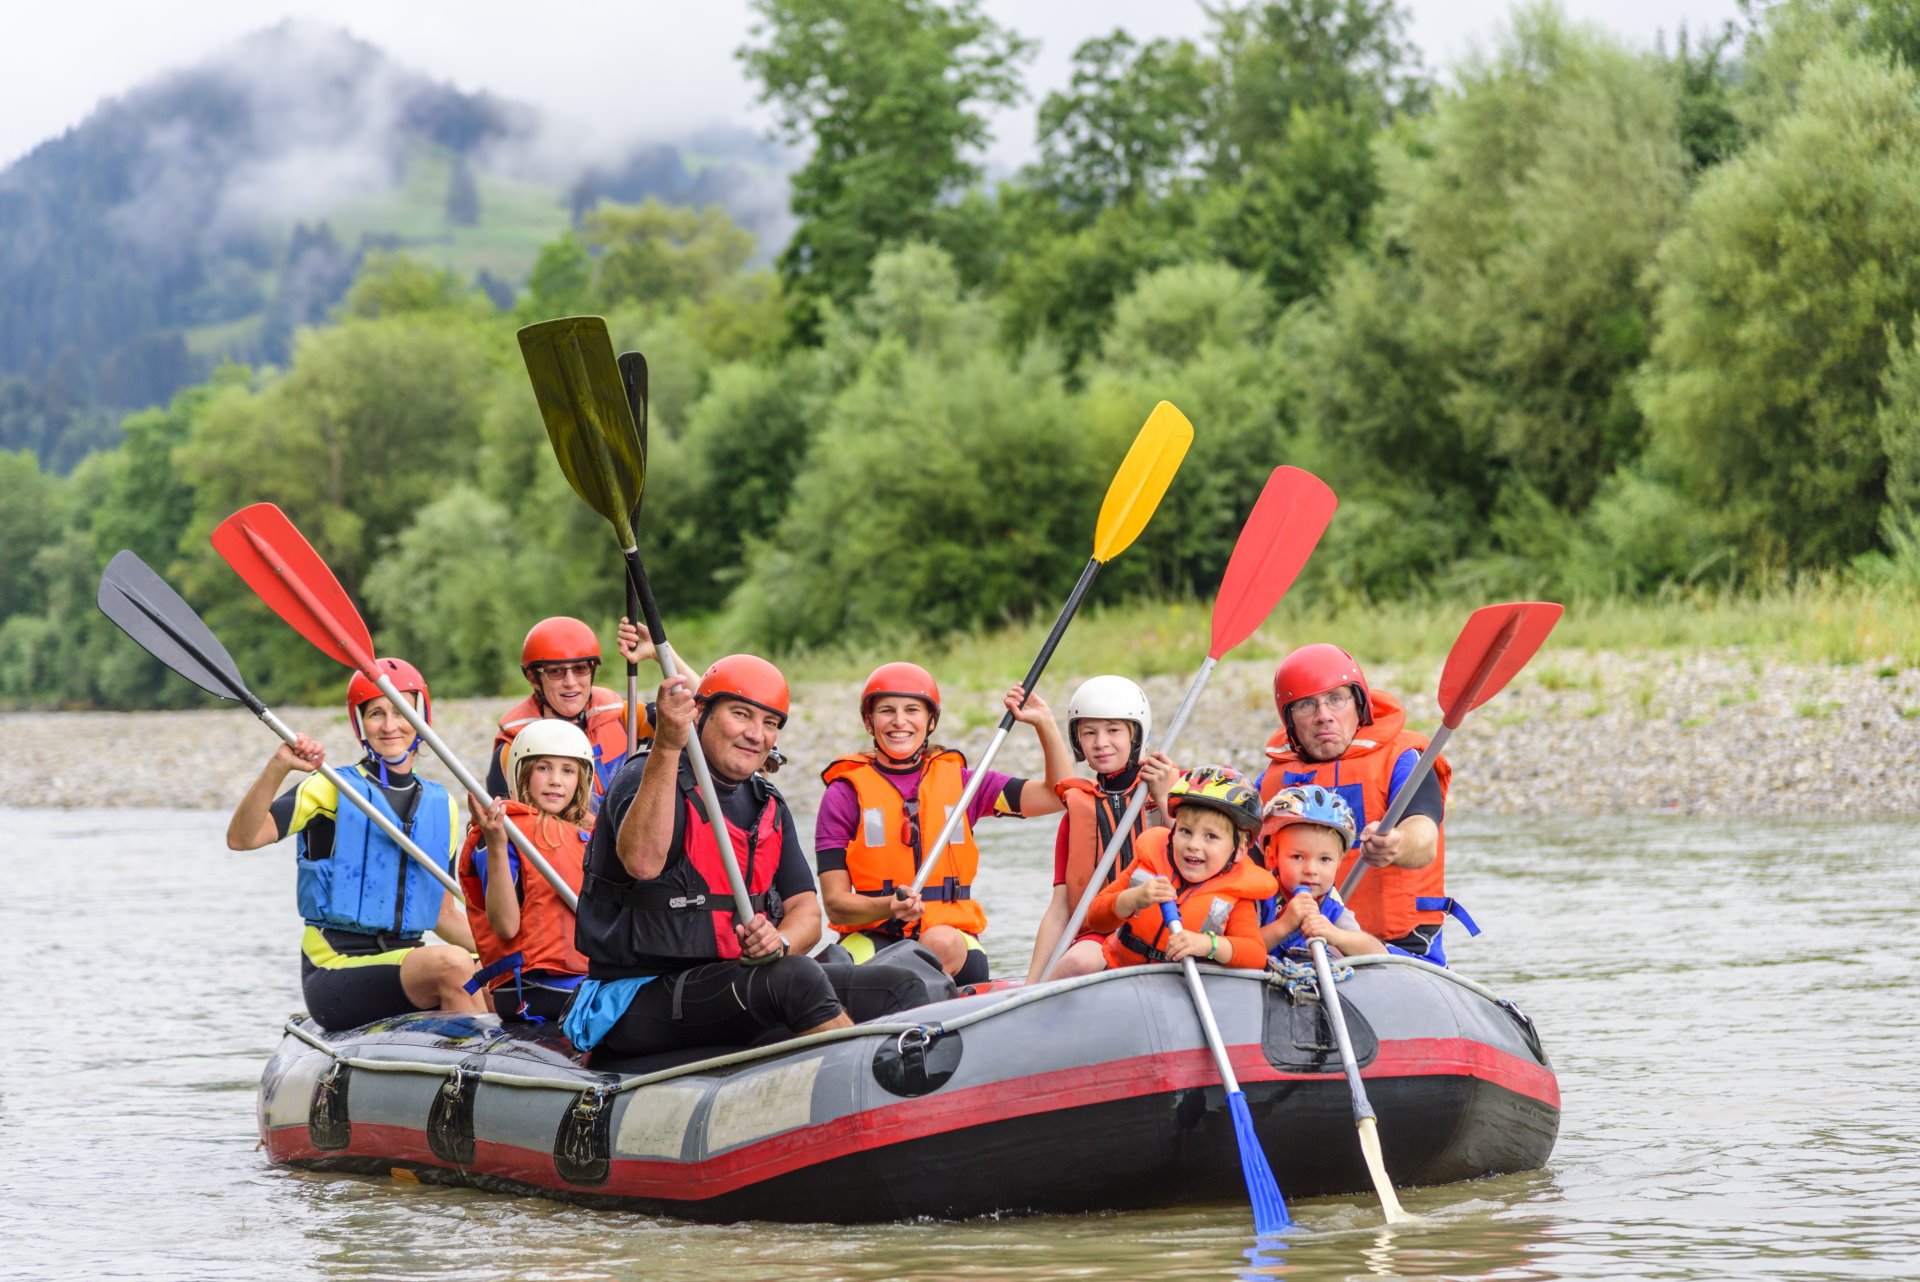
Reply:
x=1109, y=698
x=748, y=678
x=549, y=738
x=558, y=640
x=908, y=680
x=1309, y=804
x=1312, y=669
x=1219, y=788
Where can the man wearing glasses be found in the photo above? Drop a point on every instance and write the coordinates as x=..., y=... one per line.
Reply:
x=558, y=659
x=1338, y=733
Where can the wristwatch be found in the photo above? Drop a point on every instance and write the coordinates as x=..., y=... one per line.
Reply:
x=786, y=945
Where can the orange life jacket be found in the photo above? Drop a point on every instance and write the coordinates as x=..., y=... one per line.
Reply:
x=1384, y=903
x=545, y=941
x=1227, y=903
x=605, y=723
x=880, y=856
x=1092, y=814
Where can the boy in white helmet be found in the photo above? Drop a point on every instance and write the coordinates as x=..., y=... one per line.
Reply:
x=1107, y=724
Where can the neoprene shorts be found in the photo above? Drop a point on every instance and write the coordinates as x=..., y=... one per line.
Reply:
x=347, y=989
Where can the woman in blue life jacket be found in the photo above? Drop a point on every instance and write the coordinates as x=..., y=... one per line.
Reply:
x=365, y=903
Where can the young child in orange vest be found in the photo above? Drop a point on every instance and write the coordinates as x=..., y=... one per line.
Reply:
x=521, y=926
x=1304, y=834
x=1204, y=865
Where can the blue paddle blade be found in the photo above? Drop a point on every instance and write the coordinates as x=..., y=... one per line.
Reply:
x=1269, y=1208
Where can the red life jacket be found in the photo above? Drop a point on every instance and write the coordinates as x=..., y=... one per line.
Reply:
x=545, y=941
x=685, y=915
x=880, y=858
x=1227, y=903
x=1092, y=815
x=605, y=724
x=1385, y=902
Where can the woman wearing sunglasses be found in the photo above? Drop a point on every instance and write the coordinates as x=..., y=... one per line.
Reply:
x=558, y=659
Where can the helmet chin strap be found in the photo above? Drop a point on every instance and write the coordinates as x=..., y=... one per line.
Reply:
x=394, y=762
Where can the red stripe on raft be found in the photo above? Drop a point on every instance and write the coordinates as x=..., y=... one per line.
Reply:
x=758, y=1160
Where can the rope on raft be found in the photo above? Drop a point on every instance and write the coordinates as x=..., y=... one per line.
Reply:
x=1295, y=974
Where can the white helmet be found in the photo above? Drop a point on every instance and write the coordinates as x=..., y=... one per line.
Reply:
x=1109, y=699
x=548, y=738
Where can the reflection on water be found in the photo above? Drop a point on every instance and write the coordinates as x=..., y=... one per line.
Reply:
x=1733, y=1038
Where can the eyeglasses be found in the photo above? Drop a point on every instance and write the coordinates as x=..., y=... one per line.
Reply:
x=581, y=668
x=1333, y=701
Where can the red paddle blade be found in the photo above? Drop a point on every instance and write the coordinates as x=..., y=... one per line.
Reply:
x=282, y=568
x=1496, y=643
x=1280, y=534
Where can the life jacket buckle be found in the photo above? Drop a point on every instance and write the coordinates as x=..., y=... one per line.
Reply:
x=687, y=901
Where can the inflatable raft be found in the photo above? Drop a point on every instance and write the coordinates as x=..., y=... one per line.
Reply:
x=1078, y=1095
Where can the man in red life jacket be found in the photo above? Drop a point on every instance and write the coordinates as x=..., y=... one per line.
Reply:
x=667, y=961
x=1338, y=733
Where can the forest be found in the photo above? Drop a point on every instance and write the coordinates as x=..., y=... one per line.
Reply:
x=1570, y=318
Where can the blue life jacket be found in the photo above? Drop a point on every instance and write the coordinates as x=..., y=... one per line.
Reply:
x=368, y=884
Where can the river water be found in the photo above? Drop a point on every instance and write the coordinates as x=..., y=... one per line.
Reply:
x=1733, y=1010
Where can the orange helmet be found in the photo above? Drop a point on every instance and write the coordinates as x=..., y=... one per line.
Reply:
x=558, y=640
x=908, y=680
x=748, y=678
x=1312, y=669
x=406, y=679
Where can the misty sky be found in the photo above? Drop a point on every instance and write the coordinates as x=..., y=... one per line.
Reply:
x=642, y=68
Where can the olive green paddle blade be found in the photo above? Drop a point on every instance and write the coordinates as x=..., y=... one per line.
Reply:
x=1142, y=480
x=583, y=400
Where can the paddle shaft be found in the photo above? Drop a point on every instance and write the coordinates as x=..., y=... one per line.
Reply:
x=1363, y=1115
x=440, y=749
x=696, y=754
x=1201, y=1005
x=958, y=814
x=1135, y=804
x=633, y=676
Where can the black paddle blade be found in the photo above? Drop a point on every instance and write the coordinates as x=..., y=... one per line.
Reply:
x=633, y=376
x=145, y=607
x=583, y=402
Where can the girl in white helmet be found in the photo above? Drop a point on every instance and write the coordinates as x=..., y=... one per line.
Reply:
x=522, y=927
x=1107, y=724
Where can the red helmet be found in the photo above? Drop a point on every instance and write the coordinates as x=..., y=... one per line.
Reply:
x=748, y=678
x=406, y=679
x=558, y=640
x=908, y=680
x=1312, y=669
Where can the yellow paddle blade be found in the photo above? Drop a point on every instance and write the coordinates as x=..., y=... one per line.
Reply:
x=1142, y=480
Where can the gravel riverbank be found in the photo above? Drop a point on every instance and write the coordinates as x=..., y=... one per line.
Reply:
x=1717, y=733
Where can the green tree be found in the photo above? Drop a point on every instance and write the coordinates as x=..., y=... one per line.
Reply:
x=398, y=284
x=655, y=253
x=889, y=94
x=1277, y=57
x=1793, y=276
x=1126, y=128
x=560, y=282
x=26, y=523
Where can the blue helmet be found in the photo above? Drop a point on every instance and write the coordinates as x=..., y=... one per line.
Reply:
x=1309, y=804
